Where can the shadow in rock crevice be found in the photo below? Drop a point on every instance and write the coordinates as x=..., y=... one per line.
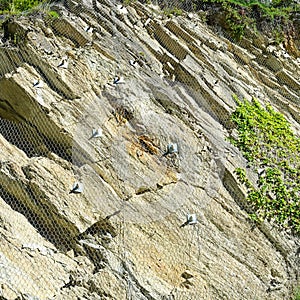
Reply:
x=28, y=139
x=51, y=230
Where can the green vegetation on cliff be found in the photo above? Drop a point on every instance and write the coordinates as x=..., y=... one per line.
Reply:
x=271, y=17
x=278, y=19
x=15, y=6
x=297, y=295
x=274, y=18
x=272, y=149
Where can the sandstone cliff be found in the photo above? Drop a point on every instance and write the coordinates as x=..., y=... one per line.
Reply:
x=93, y=98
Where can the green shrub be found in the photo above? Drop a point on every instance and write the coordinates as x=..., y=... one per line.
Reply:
x=272, y=150
x=297, y=294
x=15, y=6
x=173, y=12
x=266, y=16
x=53, y=14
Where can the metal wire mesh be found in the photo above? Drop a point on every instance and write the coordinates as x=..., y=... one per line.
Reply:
x=63, y=145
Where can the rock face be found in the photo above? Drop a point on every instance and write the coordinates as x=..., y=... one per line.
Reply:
x=113, y=128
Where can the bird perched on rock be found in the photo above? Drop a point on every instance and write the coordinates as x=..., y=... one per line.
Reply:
x=77, y=188
x=261, y=171
x=118, y=80
x=89, y=29
x=134, y=62
x=191, y=219
x=147, y=22
x=63, y=64
x=122, y=9
x=96, y=133
x=38, y=83
x=171, y=148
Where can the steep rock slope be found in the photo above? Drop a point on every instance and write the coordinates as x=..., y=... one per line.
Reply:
x=123, y=236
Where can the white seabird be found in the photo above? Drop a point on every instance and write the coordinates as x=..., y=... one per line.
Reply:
x=122, y=9
x=118, y=80
x=133, y=63
x=89, y=29
x=147, y=22
x=96, y=133
x=261, y=171
x=191, y=219
x=172, y=148
x=63, y=64
x=38, y=83
x=77, y=188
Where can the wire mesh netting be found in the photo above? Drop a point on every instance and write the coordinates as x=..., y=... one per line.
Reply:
x=115, y=166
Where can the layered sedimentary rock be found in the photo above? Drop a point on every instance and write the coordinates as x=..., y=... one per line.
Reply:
x=94, y=199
